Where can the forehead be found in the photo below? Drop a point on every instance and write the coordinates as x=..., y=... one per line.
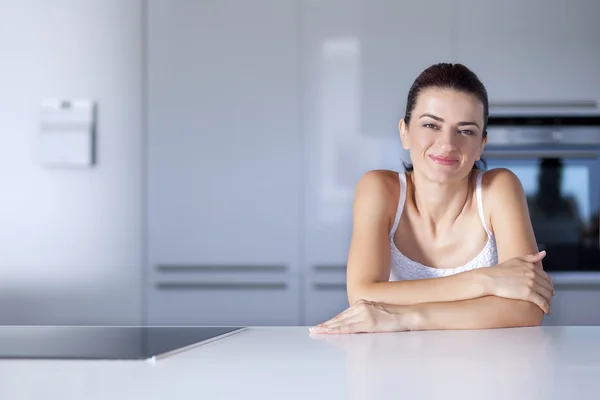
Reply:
x=449, y=104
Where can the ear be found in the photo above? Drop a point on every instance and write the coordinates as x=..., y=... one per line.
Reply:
x=403, y=129
x=483, y=143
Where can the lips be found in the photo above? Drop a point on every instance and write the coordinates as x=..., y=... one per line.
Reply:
x=443, y=160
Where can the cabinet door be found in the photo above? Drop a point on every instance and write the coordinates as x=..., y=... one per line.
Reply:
x=359, y=59
x=326, y=294
x=576, y=302
x=537, y=55
x=223, y=162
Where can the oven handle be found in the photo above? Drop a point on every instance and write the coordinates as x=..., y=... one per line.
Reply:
x=525, y=154
x=575, y=279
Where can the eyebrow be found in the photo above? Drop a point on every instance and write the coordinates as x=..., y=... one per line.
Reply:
x=442, y=120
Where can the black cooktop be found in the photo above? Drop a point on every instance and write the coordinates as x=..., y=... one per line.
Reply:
x=103, y=342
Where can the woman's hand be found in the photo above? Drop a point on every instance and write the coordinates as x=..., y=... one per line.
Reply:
x=367, y=316
x=522, y=278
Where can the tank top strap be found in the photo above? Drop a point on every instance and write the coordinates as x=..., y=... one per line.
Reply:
x=480, y=202
x=401, y=201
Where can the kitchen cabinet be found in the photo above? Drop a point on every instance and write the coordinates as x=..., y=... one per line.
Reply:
x=576, y=300
x=532, y=56
x=223, y=163
x=358, y=62
x=325, y=293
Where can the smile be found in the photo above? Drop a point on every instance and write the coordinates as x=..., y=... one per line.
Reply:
x=443, y=160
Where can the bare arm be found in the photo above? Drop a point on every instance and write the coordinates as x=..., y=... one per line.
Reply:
x=483, y=313
x=368, y=270
x=514, y=238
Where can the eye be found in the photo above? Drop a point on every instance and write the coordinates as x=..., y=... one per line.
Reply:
x=466, y=132
x=431, y=126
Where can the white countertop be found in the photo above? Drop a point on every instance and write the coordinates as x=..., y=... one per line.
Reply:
x=290, y=363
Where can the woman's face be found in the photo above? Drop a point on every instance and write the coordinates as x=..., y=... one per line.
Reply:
x=445, y=134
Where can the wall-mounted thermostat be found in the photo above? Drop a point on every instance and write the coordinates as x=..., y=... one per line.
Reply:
x=67, y=133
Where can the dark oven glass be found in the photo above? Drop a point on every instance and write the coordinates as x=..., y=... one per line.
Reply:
x=562, y=186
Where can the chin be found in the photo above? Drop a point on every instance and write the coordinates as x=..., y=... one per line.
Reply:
x=447, y=173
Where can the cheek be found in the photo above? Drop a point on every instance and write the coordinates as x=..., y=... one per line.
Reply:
x=422, y=139
x=474, y=147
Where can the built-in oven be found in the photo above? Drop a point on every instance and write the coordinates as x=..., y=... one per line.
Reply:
x=557, y=160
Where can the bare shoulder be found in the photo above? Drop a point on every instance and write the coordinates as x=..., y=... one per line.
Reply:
x=376, y=193
x=379, y=181
x=509, y=214
x=501, y=183
x=503, y=193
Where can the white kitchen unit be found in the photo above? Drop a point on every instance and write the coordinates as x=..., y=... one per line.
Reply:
x=533, y=56
x=577, y=300
x=224, y=174
x=358, y=61
x=326, y=294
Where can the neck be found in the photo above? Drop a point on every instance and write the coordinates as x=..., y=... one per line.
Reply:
x=439, y=204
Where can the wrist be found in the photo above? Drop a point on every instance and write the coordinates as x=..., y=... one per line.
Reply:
x=482, y=282
x=409, y=317
x=417, y=319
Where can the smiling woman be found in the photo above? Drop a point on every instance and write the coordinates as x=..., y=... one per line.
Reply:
x=443, y=244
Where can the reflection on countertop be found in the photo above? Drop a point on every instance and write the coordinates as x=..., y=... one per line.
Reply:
x=521, y=363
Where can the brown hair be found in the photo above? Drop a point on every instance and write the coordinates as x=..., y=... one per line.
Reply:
x=448, y=76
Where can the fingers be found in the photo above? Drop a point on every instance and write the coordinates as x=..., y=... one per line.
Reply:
x=542, y=278
x=355, y=327
x=338, y=324
x=351, y=319
x=341, y=315
x=544, y=292
x=540, y=301
x=534, y=258
x=347, y=319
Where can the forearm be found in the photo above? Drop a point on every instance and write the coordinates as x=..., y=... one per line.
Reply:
x=462, y=286
x=482, y=313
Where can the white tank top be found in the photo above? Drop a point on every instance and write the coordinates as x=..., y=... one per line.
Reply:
x=403, y=268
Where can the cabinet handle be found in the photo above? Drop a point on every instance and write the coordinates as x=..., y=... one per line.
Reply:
x=220, y=268
x=583, y=104
x=330, y=286
x=581, y=280
x=221, y=286
x=531, y=154
x=332, y=268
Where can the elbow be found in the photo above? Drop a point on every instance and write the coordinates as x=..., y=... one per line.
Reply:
x=531, y=315
x=354, y=297
x=355, y=294
x=537, y=318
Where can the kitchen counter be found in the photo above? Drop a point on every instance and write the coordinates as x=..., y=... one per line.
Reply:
x=291, y=363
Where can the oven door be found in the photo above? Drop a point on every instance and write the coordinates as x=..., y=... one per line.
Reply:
x=562, y=186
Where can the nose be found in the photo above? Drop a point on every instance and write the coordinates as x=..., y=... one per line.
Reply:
x=447, y=139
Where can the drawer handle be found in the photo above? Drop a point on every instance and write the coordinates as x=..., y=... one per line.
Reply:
x=221, y=286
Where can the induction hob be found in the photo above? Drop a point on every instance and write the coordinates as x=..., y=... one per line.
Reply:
x=104, y=342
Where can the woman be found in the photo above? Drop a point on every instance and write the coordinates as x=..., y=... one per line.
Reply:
x=442, y=245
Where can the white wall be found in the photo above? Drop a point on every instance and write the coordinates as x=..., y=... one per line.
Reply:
x=70, y=240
